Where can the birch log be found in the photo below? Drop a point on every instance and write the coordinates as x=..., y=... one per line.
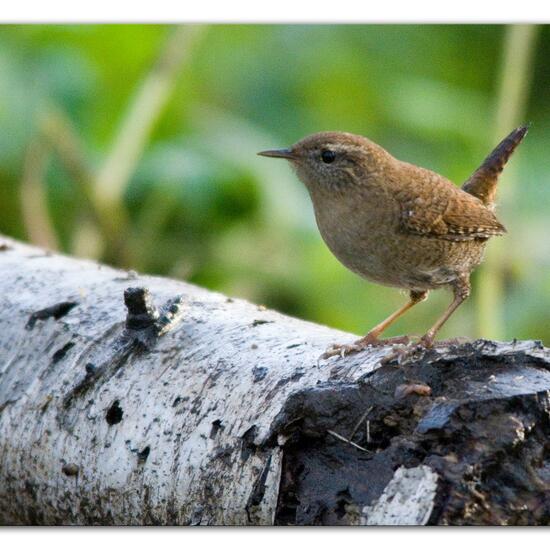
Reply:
x=202, y=409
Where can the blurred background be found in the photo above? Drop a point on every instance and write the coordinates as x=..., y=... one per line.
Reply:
x=136, y=146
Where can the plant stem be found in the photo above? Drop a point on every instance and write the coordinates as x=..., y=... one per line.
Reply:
x=106, y=223
x=34, y=203
x=134, y=132
x=515, y=80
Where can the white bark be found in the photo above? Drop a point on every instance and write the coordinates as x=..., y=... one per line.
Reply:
x=228, y=364
x=408, y=499
x=100, y=424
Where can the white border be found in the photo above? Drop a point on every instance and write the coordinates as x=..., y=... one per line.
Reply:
x=412, y=538
x=269, y=11
x=275, y=11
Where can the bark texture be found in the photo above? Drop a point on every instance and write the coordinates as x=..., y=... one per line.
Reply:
x=201, y=409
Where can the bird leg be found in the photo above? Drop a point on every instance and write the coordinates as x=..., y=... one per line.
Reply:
x=371, y=339
x=461, y=292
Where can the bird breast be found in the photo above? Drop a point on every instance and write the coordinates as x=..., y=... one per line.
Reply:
x=358, y=232
x=365, y=236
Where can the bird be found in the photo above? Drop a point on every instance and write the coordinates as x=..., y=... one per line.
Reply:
x=398, y=224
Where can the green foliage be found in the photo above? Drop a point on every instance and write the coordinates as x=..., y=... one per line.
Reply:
x=202, y=206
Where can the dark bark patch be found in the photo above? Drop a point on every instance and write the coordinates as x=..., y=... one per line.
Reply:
x=258, y=322
x=437, y=417
x=248, y=447
x=109, y=365
x=217, y=426
x=344, y=500
x=483, y=430
x=225, y=455
x=90, y=369
x=114, y=414
x=258, y=491
x=70, y=469
x=259, y=373
x=143, y=455
x=61, y=352
x=56, y=311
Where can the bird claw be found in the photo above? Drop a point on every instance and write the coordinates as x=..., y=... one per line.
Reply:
x=429, y=342
x=339, y=350
x=402, y=346
x=363, y=343
x=402, y=354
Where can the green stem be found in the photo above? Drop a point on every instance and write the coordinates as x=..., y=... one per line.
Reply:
x=515, y=80
x=142, y=114
x=34, y=202
x=133, y=134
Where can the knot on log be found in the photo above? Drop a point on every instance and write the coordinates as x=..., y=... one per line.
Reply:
x=144, y=325
x=143, y=314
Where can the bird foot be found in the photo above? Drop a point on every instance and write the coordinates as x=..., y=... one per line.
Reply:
x=428, y=342
x=401, y=354
x=367, y=341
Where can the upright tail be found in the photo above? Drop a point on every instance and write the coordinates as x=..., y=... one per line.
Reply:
x=483, y=182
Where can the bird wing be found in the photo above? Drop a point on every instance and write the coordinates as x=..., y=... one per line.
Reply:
x=433, y=207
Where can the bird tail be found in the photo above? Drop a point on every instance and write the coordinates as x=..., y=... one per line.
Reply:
x=483, y=182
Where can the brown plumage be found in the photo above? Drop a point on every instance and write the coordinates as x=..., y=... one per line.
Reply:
x=483, y=182
x=396, y=223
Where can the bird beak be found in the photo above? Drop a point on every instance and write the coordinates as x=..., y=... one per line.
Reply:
x=278, y=154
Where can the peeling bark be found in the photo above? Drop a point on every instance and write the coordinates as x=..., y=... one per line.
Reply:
x=127, y=399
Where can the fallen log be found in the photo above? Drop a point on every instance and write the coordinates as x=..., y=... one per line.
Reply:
x=134, y=400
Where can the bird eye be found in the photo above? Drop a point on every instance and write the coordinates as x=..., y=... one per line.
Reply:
x=328, y=156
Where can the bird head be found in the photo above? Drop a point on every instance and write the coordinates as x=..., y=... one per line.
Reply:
x=332, y=161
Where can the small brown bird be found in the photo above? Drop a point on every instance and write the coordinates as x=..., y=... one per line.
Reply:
x=397, y=224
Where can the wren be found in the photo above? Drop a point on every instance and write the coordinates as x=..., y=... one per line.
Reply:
x=398, y=224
